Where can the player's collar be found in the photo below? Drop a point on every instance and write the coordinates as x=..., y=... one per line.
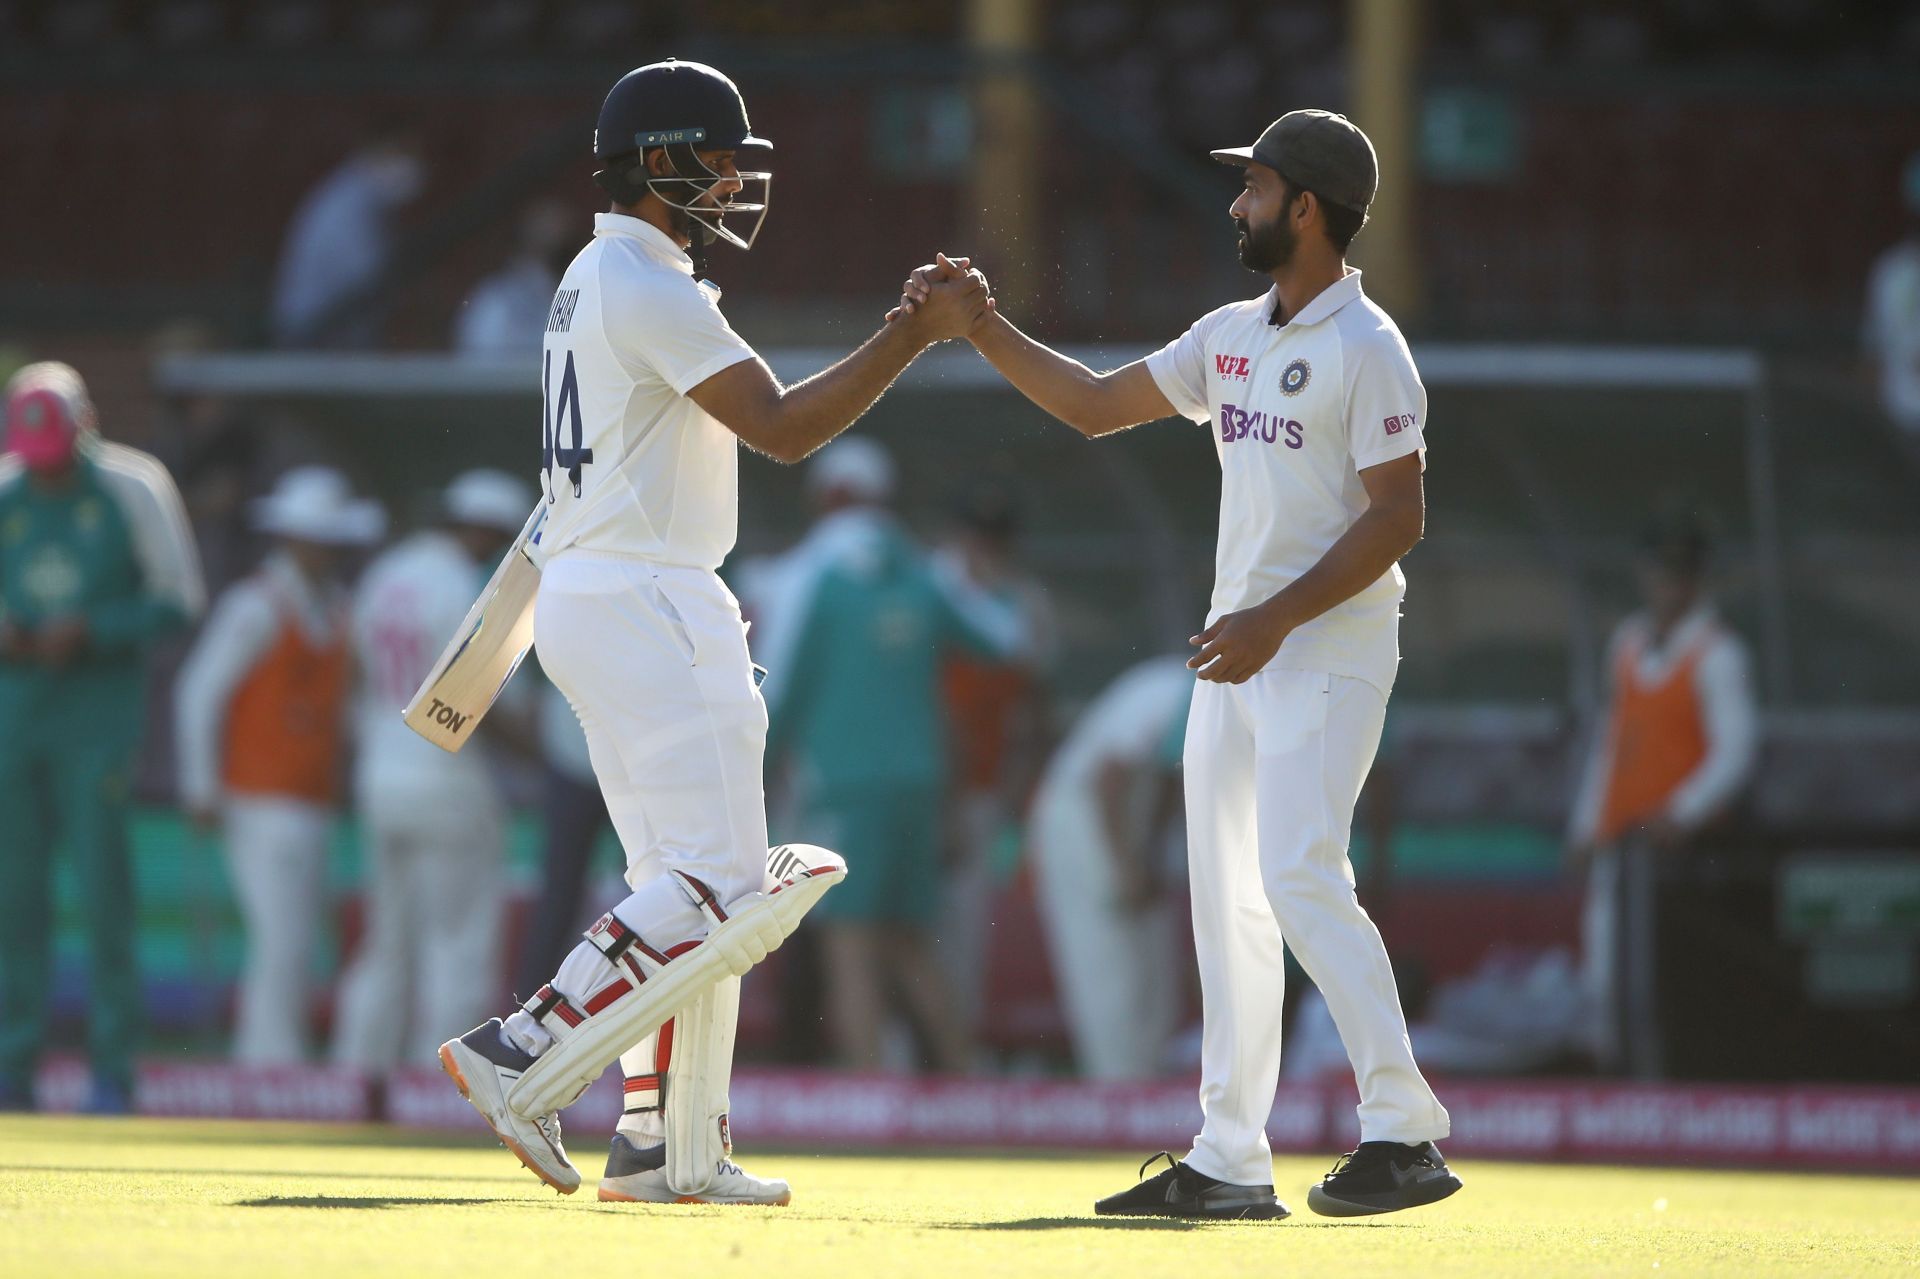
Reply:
x=644, y=231
x=1325, y=302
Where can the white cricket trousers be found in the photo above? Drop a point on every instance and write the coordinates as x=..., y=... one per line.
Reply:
x=1273, y=768
x=277, y=861
x=1118, y=987
x=654, y=660
x=428, y=965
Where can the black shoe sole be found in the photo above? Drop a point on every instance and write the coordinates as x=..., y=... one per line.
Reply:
x=1242, y=1212
x=1415, y=1196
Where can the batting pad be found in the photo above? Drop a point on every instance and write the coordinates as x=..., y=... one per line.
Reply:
x=696, y=1087
x=744, y=932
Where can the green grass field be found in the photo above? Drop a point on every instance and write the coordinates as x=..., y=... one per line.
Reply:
x=207, y=1200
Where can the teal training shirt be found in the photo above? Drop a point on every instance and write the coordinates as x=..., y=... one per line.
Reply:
x=71, y=551
x=858, y=703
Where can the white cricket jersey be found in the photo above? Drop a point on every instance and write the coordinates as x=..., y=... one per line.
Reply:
x=409, y=600
x=1298, y=411
x=632, y=467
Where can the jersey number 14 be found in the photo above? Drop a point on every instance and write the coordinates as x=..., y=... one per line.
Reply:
x=553, y=454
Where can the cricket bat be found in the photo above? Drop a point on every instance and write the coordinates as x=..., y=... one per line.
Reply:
x=487, y=649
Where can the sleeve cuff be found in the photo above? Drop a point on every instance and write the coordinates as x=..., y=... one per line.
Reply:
x=701, y=372
x=1176, y=395
x=1392, y=452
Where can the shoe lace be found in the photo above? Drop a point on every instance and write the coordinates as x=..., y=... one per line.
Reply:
x=1345, y=1161
x=549, y=1126
x=1172, y=1163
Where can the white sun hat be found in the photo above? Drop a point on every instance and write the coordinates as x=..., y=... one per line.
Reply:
x=852, y=464
x=489, y=498
x=316, y=504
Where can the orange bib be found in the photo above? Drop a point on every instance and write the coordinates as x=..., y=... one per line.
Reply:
x=284, y=725
x=981, y=697
x=1657, y=739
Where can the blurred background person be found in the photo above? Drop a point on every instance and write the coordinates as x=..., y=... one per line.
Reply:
x=998, y=723
x=341, y=243
x=259, y=710
x=96, y=563
x=1676, y=747
x=1893, y=316
x=573, y=818
x=861, y=629
x=1106, y=826
x=506, y=312
x=432, y=824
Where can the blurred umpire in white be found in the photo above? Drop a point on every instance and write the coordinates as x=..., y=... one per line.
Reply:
x=1317, y=418
x=432, y=824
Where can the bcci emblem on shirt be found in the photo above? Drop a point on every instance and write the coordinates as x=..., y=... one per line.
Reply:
x=1294, y=379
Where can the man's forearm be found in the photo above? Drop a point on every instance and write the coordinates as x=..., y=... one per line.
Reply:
x=1353, y=563
x=814, y=411
x=1057, y=383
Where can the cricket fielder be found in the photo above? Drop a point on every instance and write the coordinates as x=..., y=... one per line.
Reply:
x=432, y=823
x=1317, y=416
x=97, y=564
x=648, y=393
x=1104, y=806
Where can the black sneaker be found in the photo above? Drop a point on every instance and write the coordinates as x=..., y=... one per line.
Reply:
x=1182, y=1192
x=1383, y=1176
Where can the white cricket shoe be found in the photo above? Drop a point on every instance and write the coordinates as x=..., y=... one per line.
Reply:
x=484, y=1066
x=639, y=1176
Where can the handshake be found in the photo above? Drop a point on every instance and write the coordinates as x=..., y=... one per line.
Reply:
x=944, y=299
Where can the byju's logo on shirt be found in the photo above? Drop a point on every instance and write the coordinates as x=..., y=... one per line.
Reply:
x=1234, y=368
x=1398, y=423
x=1237, y=423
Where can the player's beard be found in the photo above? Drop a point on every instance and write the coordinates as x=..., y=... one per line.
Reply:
x=1267, y=248
x=699, y=220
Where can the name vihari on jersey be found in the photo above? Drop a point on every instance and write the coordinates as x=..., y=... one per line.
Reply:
x=560, y=314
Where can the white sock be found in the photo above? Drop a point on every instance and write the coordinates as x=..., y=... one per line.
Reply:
x=523, y=1032
x=643, y=1128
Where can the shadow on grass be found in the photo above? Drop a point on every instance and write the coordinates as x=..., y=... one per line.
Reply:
x=361, y=1201
x=1155, y=1223
x=145, y=1130
x=279, y=1174
x=1080, y=1223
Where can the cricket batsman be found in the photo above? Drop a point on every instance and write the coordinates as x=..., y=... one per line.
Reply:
x=648, y=393
x=1317, y=415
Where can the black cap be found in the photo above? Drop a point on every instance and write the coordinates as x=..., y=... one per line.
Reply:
x=1319, y=151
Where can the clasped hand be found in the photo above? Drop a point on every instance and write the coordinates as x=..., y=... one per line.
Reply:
x=930, y=289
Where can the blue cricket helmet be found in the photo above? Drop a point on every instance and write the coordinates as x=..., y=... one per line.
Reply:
x=684, y=108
